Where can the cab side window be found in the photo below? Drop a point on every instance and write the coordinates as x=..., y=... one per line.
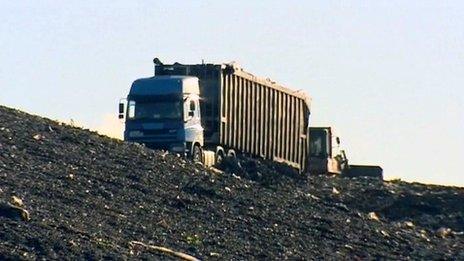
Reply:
x=192, y=108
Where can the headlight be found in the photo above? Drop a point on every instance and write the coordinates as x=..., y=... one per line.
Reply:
x=135, y=134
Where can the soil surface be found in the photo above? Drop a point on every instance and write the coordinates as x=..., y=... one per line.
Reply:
x=88, y=197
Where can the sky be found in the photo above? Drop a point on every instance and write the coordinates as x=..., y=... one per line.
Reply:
x=387, y=75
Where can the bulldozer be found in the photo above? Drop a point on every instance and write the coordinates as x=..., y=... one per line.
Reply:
x=326, y=157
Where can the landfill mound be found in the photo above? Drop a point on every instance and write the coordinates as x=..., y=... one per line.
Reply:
x=68, y=193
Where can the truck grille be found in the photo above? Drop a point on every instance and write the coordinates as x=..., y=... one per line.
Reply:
x=159, y=132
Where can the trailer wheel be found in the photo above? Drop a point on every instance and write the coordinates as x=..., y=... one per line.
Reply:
x=231, y=154
x=197, y=154
x=219, y=158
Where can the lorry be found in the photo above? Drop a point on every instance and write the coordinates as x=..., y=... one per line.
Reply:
x=326, y=157
x=212, y=111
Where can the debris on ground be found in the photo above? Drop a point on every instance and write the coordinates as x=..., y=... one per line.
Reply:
x=12, y=211
x=443, y=232
x=373, y=216
x=89, y=195
x=164, y=250
x=16, y=201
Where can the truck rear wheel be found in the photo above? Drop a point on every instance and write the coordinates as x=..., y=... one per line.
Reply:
x=219, y=158
x=231, y=154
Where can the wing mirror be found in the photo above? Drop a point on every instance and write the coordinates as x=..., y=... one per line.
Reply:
x=122, y=108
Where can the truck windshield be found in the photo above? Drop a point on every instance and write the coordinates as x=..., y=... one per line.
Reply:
x=155, y=110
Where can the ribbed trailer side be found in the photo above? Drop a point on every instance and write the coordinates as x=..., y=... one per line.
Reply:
x=261, y=118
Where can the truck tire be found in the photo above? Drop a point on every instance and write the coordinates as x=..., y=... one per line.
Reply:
x=219, y=158
x=231, y=153
x=197, y=154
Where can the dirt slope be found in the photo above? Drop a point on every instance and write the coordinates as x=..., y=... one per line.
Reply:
x=89, y=196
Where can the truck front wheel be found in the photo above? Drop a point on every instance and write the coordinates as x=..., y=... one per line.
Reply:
x=197, y=154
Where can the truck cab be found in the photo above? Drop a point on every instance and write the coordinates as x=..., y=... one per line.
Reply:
x=163, y=112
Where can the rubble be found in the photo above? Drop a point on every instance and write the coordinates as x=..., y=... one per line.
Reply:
x=443, y=232
x=12, y=211
x=91, y=196
x=409, y=224
x=37, y=137
x=16, y=201
x=373, y=216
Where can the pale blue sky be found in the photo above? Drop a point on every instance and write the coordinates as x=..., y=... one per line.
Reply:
x=388, y=75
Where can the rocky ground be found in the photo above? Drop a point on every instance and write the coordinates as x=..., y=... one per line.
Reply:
x=68, y=193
